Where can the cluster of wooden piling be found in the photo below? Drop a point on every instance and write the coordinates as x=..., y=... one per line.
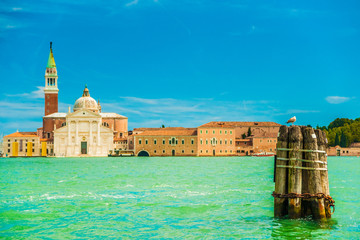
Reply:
x=301, y=177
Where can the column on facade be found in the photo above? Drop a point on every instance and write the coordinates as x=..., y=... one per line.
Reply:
x=90, y=128
x=98, y=133
x=69, y=136
x=77, y=132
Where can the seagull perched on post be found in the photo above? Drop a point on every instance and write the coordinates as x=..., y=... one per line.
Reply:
x=292, y=120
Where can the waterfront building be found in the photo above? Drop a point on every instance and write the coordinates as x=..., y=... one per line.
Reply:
x=352, y=150
x=237, y=138
x=216, y=139
x=22, y=144
x=170, y=141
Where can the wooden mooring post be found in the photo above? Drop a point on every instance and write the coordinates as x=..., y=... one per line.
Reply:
x=301, y=178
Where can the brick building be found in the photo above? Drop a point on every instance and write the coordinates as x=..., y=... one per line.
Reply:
x=165, y=141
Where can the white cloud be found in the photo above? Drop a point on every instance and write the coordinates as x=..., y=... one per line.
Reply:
x=132, y=3
x=39, y=93
x=336, y=99
x=16, y=9
x=141, y=100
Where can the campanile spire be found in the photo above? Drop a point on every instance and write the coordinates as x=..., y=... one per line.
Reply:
x=51, y=86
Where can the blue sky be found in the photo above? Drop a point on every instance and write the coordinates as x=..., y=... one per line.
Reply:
x=183, y=63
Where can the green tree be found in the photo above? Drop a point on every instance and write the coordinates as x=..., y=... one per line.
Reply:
x=163, y=126
x=343, y=139
x=337, y=140
x=249, y=132
x=243, y=136
x=340, y=122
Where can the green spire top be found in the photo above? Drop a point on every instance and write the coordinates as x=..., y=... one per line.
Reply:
x=85, y=85
x=51, y=60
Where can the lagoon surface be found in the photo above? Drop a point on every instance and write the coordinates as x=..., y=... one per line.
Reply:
x=168, y=197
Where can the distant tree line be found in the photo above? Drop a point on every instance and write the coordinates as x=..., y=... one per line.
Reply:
x=342, y=132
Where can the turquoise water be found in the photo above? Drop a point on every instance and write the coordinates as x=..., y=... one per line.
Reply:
x=207, y=198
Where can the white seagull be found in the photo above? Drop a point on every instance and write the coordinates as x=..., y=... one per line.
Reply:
x=292, y=120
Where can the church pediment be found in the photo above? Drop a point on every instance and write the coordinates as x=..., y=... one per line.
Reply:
x=83, y=113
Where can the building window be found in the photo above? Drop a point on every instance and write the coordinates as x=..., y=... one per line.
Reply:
x=230, y=132
x=48, y=135
x=200, y=131
x=154, y=151
x=206, y=142
x=225, y=132
x=230, y=142
x=182, y=151
x=220, y=142
x=8, y=150
x=200, y=141
x=192, y=151
x=213, y=131
x=220, y=151
x=206, y=151
x=260, y=140
x=139, y=141
x=146, y=141
x=163, y=151
x=155, y=141
x=182, y=141
x=200, y=151
x=33, y=150
x=206, y=131
x=225, y=151
x=9, y=145
x=192, y=141
x=8, y=140
x=270, y=149
x=225, y=141
x=230, y=151
x=163, y=141
x=220, y=131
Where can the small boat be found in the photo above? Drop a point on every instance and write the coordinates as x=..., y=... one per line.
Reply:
x=264, y=154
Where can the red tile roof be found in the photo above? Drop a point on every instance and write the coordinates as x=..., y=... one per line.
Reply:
x=239, y=124
x=22, y=134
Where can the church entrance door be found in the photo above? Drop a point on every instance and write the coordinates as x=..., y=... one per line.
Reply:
x=173, y=152
x=83, y=147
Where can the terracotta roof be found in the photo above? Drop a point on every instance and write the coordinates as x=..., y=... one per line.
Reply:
x=176, y=131
x=240, y=124
x=22, y=134
x=157, y=129
x=242, y=140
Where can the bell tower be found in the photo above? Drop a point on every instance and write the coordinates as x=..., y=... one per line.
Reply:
x=51, y=87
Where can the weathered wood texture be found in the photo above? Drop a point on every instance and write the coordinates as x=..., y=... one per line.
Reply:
x=280, y=204
x=293, y=143
x=294, y=174
x=322, y=145
x=314, y=176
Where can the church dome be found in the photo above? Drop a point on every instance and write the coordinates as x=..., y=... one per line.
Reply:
x=86, y=102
